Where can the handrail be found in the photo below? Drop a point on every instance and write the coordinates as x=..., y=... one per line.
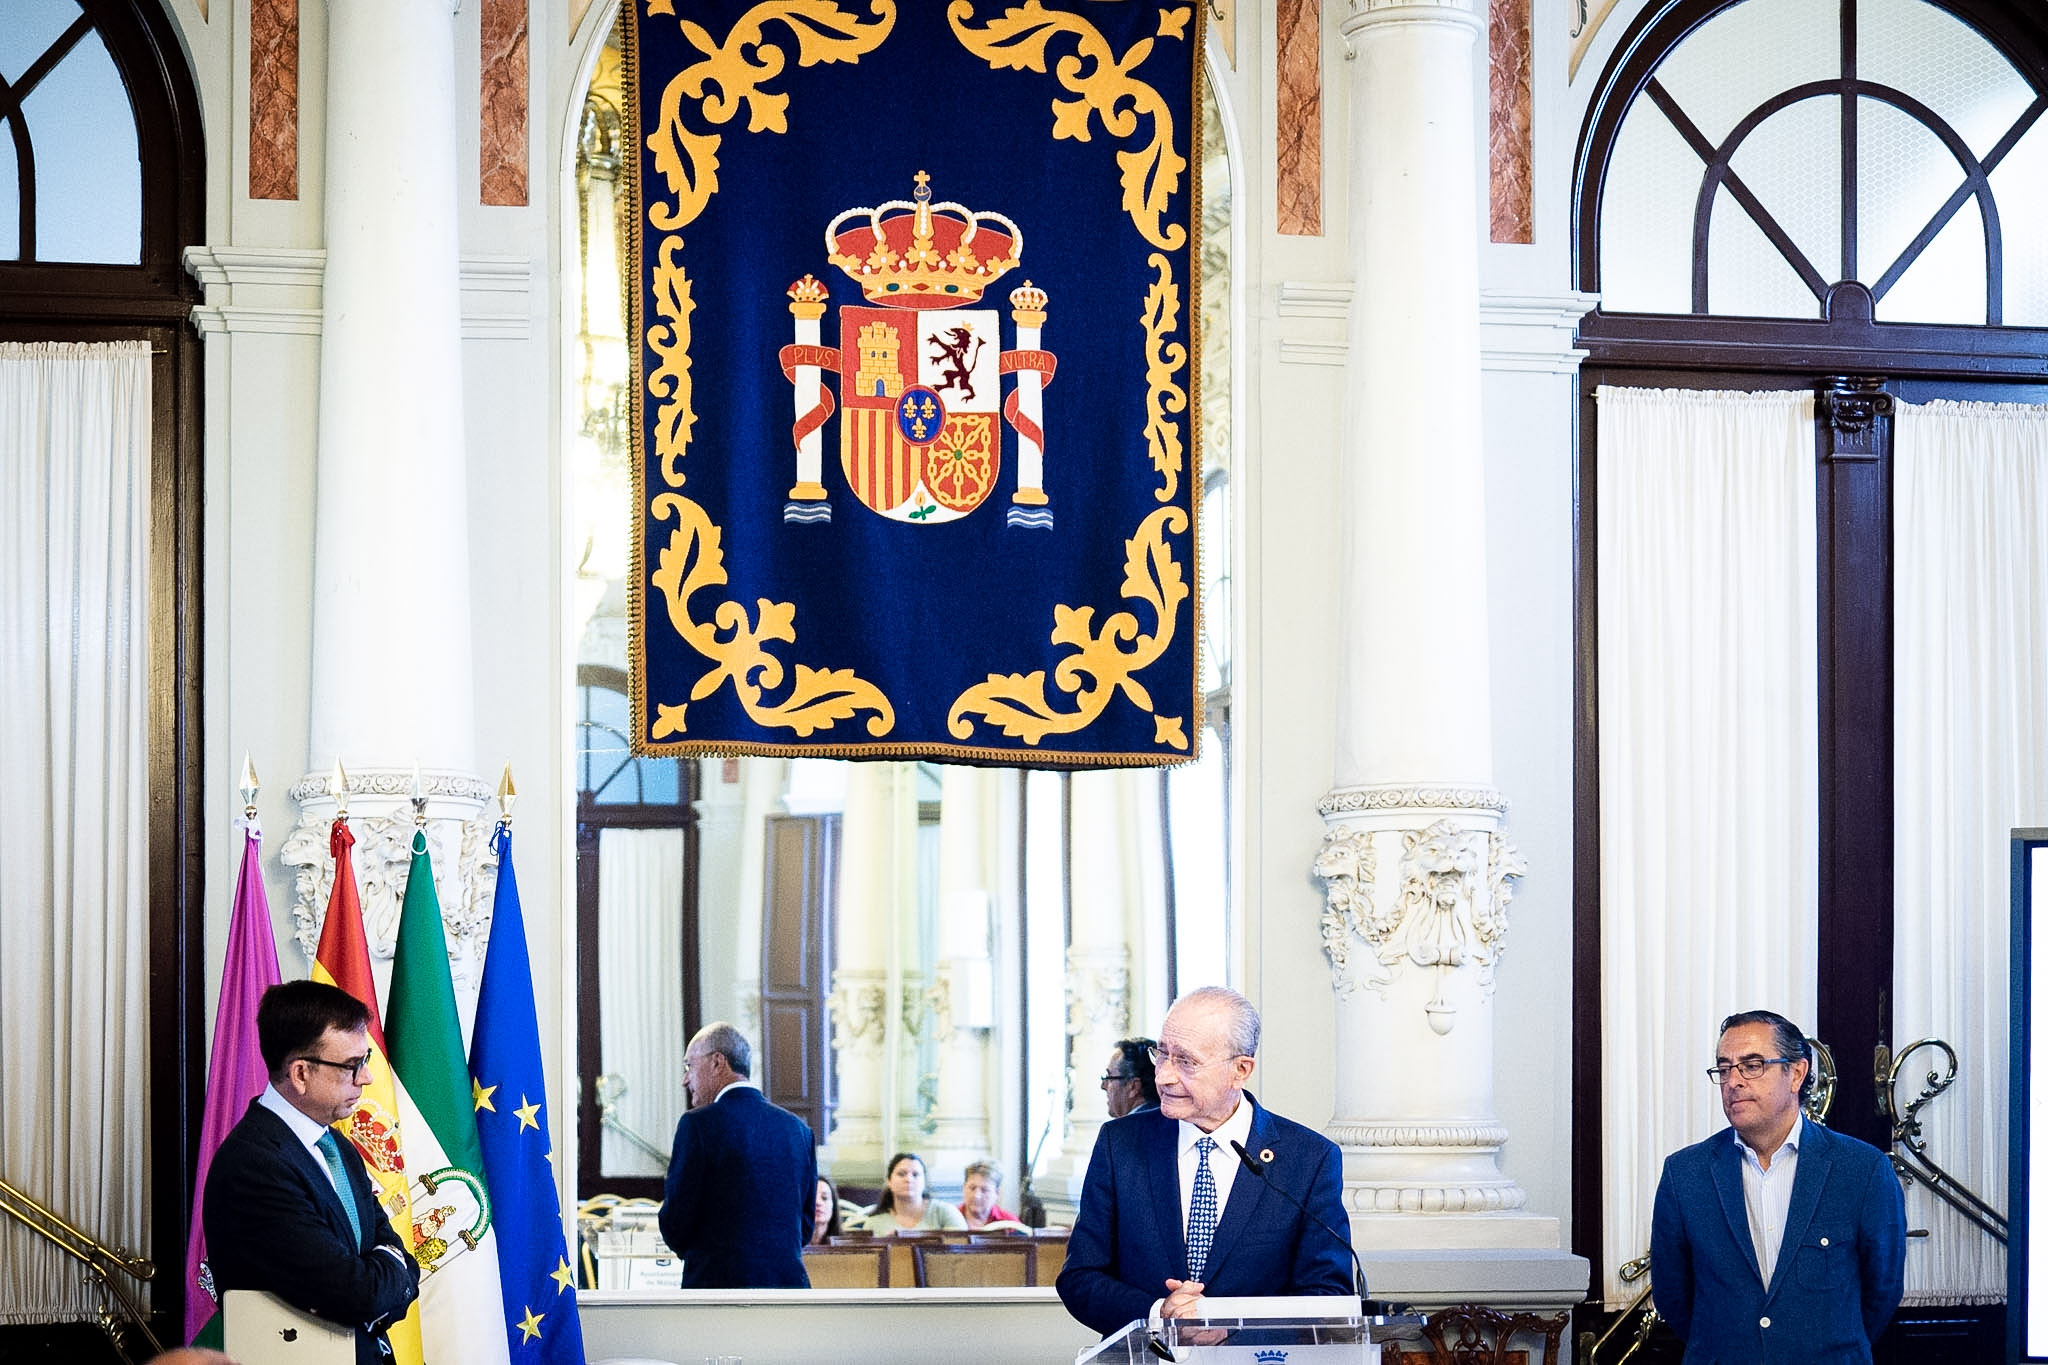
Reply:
x=1912, y=1163
x=101, y=1261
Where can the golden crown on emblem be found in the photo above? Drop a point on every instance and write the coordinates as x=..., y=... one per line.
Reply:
x=912, y=253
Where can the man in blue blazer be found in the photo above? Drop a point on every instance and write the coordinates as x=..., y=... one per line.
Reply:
x=742, y=1178
x=1169, y=1215
x=274, y=1215
x=1775, y=1240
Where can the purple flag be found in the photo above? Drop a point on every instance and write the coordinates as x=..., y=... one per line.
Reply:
x=235, y=1073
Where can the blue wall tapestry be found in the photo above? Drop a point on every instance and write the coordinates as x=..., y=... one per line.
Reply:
x=914, y=464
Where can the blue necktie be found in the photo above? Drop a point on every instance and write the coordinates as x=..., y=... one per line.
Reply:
x=330, y=1148
x=1202, y=1211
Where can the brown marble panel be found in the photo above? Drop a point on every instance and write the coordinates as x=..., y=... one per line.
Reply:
x=273, y=99
x=502, y=126
x=1510, y=137
x=1298, y=125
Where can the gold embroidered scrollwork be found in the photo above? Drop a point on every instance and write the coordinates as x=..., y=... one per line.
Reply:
x=669, y=384
x=1020, y=40
x=1105, y=661
x=725, y=80
x=819, y=698
x=1164, y=359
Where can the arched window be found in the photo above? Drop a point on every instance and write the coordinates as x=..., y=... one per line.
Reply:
x=70, y=161
x=1846, y=161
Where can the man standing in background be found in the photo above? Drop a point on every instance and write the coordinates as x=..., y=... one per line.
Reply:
x=742, y=1178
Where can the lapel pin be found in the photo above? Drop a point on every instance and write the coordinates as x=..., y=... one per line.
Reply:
x=1266, y=1155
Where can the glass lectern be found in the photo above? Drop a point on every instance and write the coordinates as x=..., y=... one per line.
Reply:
x=1253, y=1341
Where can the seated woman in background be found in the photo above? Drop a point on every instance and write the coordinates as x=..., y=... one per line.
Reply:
x=980, y=1194
x=904, y=1206
x=825, y=1213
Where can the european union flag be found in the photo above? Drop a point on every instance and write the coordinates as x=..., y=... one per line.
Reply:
x=512, y=1124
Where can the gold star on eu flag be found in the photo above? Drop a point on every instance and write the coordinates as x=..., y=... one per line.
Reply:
x=482, y=1093
x=527, y=1114
x=530, y=1325
x=561, y=1274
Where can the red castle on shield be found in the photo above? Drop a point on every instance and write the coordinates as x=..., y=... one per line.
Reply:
x=920, y=373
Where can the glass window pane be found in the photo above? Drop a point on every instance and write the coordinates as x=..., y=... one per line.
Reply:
x=1792, y=163
x=1201, y=891
x=1646, y=217
x=10, y=195
x=1743, y=56
x=1944, y=63
x=32, y=25
x=1904, y=174
x=1947, y=283
x=2020, y=185
x=1747, y=276
x=88, y=165
x=1045, y=966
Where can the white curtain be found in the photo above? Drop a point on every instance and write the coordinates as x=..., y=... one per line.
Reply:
x=1970, y=659
x=1709, y=785
x=74, y=787
x=640, y=1011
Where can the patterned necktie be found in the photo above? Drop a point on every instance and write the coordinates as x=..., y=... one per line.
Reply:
x=1202, y=1211
x=330, y=1148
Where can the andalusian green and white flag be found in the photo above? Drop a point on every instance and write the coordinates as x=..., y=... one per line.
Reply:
x=461, y=1306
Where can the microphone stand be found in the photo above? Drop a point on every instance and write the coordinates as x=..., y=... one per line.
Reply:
x=1258, y=1168
x=1030, y=1208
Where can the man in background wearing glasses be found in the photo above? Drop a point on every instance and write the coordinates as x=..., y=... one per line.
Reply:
x=1127, y=1081
x=289, y=1207
x=1168, y=1215
x=1775, y=1239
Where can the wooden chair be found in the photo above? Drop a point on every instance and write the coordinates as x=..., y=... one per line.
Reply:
x=903, y=1255
x=1052, y=1253
x=975, y=1264
x=848, y=1267
x=1458, y=1336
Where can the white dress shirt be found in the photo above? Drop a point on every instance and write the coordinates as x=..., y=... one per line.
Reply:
x=1223, y=1161
x=307, y=1131
x=1767, y=1196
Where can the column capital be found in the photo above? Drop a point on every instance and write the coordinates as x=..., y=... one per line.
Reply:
x=1365, y=14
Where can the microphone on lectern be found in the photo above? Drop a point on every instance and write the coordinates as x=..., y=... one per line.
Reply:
x=1258, y=1168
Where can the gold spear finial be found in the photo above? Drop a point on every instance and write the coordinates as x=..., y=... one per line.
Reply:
x=249, y=787
x=337, y=787
x=419, y=798
x=506, y=795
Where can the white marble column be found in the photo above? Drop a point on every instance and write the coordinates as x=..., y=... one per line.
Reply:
x=391, y=680
x=1098, y=968
x=962, y=995
x=1417, y=872
x=877, y=873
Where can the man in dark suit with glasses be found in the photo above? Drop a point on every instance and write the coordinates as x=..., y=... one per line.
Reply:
x=289, y=1206
x=1775, y=1239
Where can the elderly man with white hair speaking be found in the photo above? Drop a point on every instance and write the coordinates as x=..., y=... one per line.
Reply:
x=1170, y=1211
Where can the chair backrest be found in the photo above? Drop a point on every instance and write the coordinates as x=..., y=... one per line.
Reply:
x=848, y=1267
x=1052, y=1252
x=976, y=1264
x=1458, y=1335
x=903, y=1255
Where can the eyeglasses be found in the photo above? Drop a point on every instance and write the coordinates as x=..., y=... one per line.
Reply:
x=1180, y=1061
x=1109, y=1076
x=348, y=1066
x=1749, y=1068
